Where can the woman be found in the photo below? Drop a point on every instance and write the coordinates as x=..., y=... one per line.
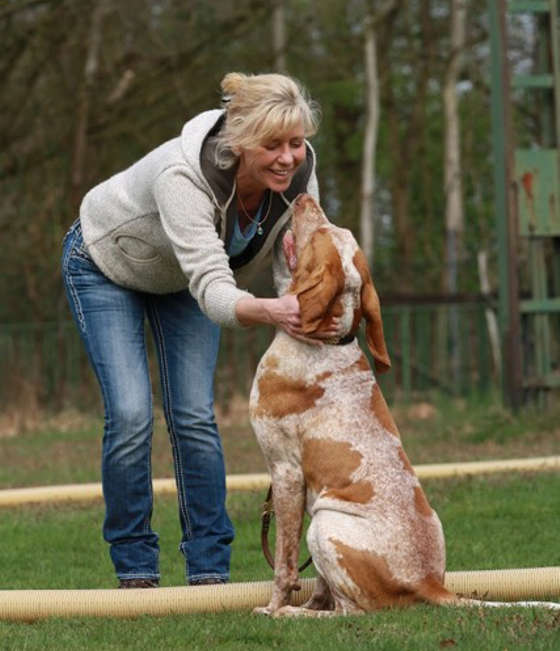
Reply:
x=173, y=239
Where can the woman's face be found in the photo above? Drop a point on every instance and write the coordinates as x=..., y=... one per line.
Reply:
x=272, y=165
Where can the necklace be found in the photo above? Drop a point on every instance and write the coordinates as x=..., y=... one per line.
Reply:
x=260, y=222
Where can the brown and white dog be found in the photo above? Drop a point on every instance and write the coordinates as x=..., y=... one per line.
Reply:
x=332, y=446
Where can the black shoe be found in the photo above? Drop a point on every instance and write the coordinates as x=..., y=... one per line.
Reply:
x=208, y=581
x=138, y=583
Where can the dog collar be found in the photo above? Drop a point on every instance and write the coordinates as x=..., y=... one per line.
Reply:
x=348, y=339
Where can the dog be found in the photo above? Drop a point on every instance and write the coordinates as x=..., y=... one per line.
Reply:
x=332, y=447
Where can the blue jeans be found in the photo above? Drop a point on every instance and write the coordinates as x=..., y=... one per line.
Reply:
x=111, y=322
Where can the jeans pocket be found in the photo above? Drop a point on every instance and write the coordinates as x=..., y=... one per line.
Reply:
x=69, y=233
x=78, y=271
x=81, y=251
x=78, y=249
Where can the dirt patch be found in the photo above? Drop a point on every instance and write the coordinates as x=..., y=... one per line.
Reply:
x=57, y=446
x=34, y=419
x=421, y=411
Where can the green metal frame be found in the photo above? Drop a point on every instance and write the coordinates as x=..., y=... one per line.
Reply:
x=536, y=179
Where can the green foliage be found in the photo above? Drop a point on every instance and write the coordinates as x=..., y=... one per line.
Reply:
x=160, y=63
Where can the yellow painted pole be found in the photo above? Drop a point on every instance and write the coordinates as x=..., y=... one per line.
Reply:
x=260, y=481
x=30, y=605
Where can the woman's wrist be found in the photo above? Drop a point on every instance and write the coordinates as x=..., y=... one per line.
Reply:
x=250, y=310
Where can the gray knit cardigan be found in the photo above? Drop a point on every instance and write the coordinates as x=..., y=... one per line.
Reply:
x=160, y=225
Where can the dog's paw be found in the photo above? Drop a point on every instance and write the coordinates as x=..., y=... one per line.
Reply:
x=298, y=611
x=288, y=611
x=262, y=610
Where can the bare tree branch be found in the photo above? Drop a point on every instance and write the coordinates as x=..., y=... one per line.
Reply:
x=90, y=70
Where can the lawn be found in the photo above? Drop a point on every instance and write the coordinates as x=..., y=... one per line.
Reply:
x=490, y=522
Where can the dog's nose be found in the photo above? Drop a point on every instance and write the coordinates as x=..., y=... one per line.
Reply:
x=299, y=200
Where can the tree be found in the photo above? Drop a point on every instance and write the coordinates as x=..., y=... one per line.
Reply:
x=84, y=100
x=80, y=104
x=279, y=35
x=453, y=172
x=454, y=220
x=367, y=216
x=157, y=63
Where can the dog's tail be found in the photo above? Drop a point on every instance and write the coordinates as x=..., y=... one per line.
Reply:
x=433, y=591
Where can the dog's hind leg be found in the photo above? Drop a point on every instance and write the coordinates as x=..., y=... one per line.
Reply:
x=321, y=599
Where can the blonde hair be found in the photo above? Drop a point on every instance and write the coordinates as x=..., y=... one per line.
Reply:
x=261, y=108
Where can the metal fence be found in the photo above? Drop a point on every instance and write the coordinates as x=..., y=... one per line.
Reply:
x=443, y=348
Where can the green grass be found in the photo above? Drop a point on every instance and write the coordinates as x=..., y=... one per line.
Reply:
x=490, y=522
x=418, y=629
x=67, y=448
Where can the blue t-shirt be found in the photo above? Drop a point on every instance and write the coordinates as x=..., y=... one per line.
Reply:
x=240, y=239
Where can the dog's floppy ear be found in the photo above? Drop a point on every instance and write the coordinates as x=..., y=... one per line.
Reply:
x=318, y=279
x=371, y=310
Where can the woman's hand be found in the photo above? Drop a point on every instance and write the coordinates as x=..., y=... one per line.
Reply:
x=281, y=312
x=284, y=313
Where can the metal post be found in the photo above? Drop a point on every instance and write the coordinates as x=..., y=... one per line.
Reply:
x=505, y=205
x=406, y=353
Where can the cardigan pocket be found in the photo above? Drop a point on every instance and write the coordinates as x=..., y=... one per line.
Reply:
x=137, y=249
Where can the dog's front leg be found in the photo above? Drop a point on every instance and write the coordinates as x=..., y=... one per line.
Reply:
x=288, y=490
